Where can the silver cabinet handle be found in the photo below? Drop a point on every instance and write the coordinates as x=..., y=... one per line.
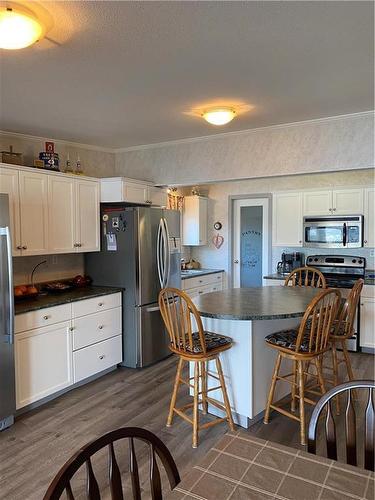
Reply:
x=365, y=242
x=101, y=304
x=200, y=292
x=200, y=281
x=71, y=328
x=79, y=244
x=102, y=356
x=46, y=317
x=24, y=247
x=334, y=209
x=19, y=247
x=236, y=261
x=101, y=327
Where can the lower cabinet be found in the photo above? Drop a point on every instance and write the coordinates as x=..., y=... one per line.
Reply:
x=69, y=349
x=367, y=317
x=43, y=360
x=198, y=285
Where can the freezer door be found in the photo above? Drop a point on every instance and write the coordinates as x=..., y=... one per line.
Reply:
x=152, y=336
x=173, y=219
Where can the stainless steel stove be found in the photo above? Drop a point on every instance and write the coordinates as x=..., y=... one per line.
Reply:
x=341, y=271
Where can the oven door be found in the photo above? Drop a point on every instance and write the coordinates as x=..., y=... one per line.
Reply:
x=330, y=232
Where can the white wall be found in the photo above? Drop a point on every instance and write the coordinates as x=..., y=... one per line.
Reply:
x=331, y=144
x=219, y=194
x=96, y=162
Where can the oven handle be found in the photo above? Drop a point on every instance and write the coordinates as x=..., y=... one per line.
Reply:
x=344, y=235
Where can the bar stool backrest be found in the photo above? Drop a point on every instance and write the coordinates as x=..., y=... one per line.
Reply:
x=177, y=310
x=317, y=322
x=344, y=324
x=306, y=276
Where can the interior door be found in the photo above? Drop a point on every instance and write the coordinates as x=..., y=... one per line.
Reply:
x=9, y=185
x=34, y=213
x=250, y=242
x=62, y=204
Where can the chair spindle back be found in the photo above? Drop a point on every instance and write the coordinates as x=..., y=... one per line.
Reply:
x=344, y=325
x=306, y=276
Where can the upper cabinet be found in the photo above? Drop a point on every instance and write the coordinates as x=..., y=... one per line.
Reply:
x=51, y=213
x=194, y=221
x=287, y=219
x=333, y=202
x=369, y=215
x=117, y=189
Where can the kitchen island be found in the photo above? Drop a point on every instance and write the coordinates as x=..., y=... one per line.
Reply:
x=248, y=315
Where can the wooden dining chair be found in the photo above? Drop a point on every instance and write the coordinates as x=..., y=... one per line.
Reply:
x=303, y=345
x=197, y=346
x=366, y=423
x=343, y=329
x=306, y=276
x=62, y=481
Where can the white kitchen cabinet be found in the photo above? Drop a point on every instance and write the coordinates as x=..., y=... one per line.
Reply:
x=333, y=202
x=369, y=216
x=198, y=285
x=194, y=221
x=367, y=328
x=87, y=216
x=273, y=282
x=34, y=212
x=9, y=185
x=317, y=202
x=43, y=360
x=94, y=328
x=124, y=189
x=61, y=204
x=287, y=219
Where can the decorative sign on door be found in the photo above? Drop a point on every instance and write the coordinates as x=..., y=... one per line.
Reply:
x=251, y=246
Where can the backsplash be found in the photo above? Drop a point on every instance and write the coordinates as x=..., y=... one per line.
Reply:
x=367, y=253
x=57, y=267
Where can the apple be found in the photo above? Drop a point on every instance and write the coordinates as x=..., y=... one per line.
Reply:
x=31, y=290
x=23, y=288
x=17, y=291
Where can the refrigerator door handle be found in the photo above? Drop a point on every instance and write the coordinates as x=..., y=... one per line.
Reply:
x=164, y=254
x=168, y=254
x=159, y=251
x=4, y=231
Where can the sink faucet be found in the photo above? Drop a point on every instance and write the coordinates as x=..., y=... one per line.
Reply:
x=33, y=271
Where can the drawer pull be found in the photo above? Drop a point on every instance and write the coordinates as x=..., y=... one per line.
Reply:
x=200, y=292
x=71, y=328
x=200, y=281
x=102, y=356
x=101, y=304
x=46, y=317
x=101, y=327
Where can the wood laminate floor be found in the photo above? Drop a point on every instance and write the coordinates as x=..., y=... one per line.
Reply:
x=39, y=443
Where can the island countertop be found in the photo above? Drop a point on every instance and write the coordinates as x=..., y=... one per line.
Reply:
x=253, y=304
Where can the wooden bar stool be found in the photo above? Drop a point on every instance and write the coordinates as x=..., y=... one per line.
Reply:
x=303, y=345
x=306, y=276
x=343, y=329
x=198, y=347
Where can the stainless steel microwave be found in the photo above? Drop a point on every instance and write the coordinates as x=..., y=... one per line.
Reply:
x=333, y=232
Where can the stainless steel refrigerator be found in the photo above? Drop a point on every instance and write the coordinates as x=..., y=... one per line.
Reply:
x=7, y=377
x=141, y=252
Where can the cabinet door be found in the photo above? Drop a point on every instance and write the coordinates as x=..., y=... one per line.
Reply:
x=367, y=330
x=317, y=202
x=43, y=360
x=194, y=221
x=87, y=216
x=34, y=212
x=61, y=209
x=347, y=201
x=287, y=219
x=158, y=196
x=369, y=216
x=10, y=186
x=135, y=193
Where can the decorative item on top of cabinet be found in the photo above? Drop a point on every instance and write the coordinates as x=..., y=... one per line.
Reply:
x=123, y=189
x=194, y=221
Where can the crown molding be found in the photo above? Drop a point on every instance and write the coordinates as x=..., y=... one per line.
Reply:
x=243, y=132
x=190, y=140
x=35, y=138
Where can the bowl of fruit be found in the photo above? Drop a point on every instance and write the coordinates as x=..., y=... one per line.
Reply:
x=22, y=292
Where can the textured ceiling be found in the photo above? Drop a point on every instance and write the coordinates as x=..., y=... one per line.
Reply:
x=126, y=73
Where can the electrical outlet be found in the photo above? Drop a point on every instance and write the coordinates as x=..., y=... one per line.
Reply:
x=372, y=253
x=54, y=260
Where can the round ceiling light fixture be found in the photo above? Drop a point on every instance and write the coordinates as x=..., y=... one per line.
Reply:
x=19, y=29
x=219, y=116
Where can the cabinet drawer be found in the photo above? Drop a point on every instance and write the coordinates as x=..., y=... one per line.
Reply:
x=96, y=327
x=196, y=281
x=96, y=358
x=96, y=304
x=368, y=291
x=42, y=317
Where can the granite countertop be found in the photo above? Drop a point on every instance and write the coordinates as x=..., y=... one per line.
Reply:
x=50, y=300
x=369, y=277
x=267, y=302
x=198, y=272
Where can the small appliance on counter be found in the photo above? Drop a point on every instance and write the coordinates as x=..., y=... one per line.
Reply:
x=289, y=261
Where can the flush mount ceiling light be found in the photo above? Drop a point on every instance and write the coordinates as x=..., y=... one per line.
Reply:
x=219, y=116
x=19, y=29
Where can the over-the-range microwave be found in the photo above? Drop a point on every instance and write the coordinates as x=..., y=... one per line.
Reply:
x=333, y=232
